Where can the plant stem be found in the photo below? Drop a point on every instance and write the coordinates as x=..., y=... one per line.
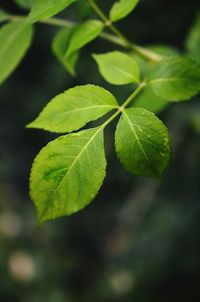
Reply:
x=97, y=10
x=118, y=38
x=145, y=53
x=133, y=95
x=67, y=23
x=52, y=21
x=124, y=105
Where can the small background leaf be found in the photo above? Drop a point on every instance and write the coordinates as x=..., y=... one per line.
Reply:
x=193, y=41
x=83, y=34
x=175, y=79
x=59, y=47
x=44, y=9
x=15, y=39
x=142, y=143
x=122, y=8
x=83, y=9
x=117, y=68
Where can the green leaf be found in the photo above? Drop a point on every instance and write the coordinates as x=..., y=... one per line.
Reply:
x=142, y=143
x=44, y=9
x=3, y=15
x=164, y=50
x=175, y=79
x=74, y=108
x=15, y=39
x=83, y=9
x=193, y=41
x=195, y=121
x=148, y=100
x=122, y=8
x=117, y=68
x=146, y=66
x=59, y=47
x=83, y=34
x=25, y=3
x=68, y=173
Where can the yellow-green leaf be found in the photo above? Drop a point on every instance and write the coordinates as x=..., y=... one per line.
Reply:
x=74, y=108
x=117, y=68
x=83, y=34
x=122, y=8
x=15, y=39
x=59, y=47
x=44, y=9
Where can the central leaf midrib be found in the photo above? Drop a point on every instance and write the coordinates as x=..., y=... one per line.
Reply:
x=72, y=165
x=139, y=143
x=86, y=108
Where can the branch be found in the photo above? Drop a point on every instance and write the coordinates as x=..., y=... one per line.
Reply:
x=117, y=39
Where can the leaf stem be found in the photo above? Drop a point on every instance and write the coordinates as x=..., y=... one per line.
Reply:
x=133, y=95
x=97, y=10
x=52, y=21
x=124, y=105
x=145, y=53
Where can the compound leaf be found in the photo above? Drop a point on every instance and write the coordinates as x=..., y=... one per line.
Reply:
x=15, y=39
x=59, y=47
x=175, y=79
x=74, y=108
x=117, y=68
x=142, y=143
x=83, y=34
x=68, y=173
x=44, y=9
x=121, y=9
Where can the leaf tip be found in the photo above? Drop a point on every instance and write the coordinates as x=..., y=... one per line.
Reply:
x=31, y=125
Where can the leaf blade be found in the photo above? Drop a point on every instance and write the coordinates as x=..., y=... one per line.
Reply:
x=117, y=68
x=26, y=4
x=121, y=9
x=83, y=34
x=146, y=141
x=59, y=46
x=15, y=39
x=193, y=41
x=60, y=188
x=44, y=9
x=74, y=108
x=175, y=79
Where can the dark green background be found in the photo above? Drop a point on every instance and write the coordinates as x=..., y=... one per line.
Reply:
x=139, y=239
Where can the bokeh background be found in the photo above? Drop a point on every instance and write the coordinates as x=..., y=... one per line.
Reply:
x=139, y=239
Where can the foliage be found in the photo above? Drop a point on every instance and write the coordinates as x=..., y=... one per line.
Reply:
x=68, y=173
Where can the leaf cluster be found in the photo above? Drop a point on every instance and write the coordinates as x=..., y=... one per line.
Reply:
x=68, y=173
